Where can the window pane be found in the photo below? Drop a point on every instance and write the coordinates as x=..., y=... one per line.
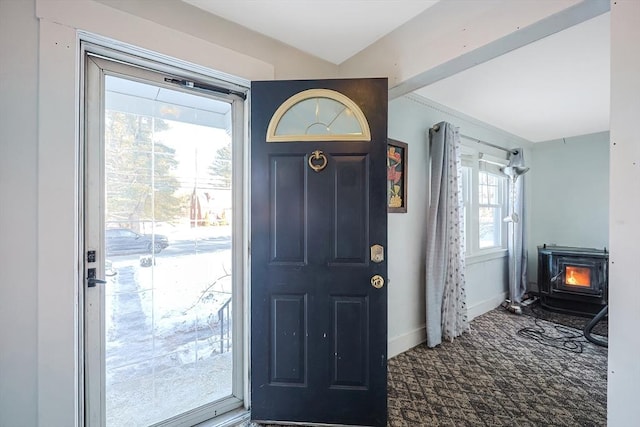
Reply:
x=318, y=114
x=489, y=190
x=489, y=226
x=321, y=116
x=168, y=305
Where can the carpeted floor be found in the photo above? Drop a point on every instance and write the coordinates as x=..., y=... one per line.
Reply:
x=578, y=322
x=494, y=376
x=509, y=370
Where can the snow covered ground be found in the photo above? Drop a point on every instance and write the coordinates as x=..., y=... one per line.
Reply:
x=167, y=348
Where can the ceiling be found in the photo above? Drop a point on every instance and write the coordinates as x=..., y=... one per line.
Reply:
x=556, y=87
x=303, y=23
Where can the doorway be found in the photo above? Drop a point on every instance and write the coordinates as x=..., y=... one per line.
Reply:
x=163, y=256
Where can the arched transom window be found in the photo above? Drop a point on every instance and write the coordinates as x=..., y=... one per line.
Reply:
x=318, y=115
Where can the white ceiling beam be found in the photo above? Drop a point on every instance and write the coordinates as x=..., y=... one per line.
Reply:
x=552, y=24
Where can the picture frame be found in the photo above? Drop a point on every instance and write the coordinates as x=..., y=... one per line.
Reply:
x=397, y=174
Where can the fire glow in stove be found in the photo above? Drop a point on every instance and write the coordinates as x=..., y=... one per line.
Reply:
x=573, y=280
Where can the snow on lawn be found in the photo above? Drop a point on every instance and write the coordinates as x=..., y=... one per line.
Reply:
x=168, y=308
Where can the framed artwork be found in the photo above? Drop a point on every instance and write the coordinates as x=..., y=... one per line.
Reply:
x=397, y=173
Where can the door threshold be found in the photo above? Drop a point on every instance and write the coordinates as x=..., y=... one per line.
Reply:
x=236, y=418
x=296, y=423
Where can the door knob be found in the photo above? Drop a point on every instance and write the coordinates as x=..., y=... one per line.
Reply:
x=377, y=281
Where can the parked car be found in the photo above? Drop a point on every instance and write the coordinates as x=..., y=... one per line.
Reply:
x=125, y=241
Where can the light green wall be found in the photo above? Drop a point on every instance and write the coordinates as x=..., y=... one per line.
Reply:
x=409, y=119
x=569, y=184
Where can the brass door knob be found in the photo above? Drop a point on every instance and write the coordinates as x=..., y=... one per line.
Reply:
x=377, y=281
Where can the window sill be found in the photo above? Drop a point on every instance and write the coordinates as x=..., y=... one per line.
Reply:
x=486, y=256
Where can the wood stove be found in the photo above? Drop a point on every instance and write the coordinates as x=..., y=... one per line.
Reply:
x=573, y=280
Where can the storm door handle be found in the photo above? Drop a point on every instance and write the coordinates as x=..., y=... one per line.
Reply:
x=92, y=280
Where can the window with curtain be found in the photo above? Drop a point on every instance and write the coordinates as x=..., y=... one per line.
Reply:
x=485, y=196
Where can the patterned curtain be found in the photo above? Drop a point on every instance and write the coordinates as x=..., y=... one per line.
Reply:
x=518, y=253
x=446, y=314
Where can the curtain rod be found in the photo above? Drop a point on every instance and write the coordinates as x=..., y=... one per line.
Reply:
x=436, y=128
x=489, y=144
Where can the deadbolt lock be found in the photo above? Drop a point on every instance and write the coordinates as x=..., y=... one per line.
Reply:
x=377, y=281
x=377, y=253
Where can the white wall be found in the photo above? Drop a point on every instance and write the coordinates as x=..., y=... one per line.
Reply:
x=18, y=203
x=624, y=224
x=409, y=119
x=569, y=203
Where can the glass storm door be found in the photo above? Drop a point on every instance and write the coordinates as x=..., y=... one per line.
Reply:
x=318, y=270
x=162, y=256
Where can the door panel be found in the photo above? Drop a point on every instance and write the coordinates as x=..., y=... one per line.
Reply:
x=288, y=329
x=319, y=329
x=350, y=344
x=351, y=213
x=288, y=209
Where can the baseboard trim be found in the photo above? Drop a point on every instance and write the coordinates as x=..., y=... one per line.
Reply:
x=406, y=341
x=484, y=306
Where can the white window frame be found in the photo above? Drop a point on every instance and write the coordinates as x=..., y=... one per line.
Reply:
x=474, y=163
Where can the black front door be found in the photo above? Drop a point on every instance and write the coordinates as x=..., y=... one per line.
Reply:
x=318, y=323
